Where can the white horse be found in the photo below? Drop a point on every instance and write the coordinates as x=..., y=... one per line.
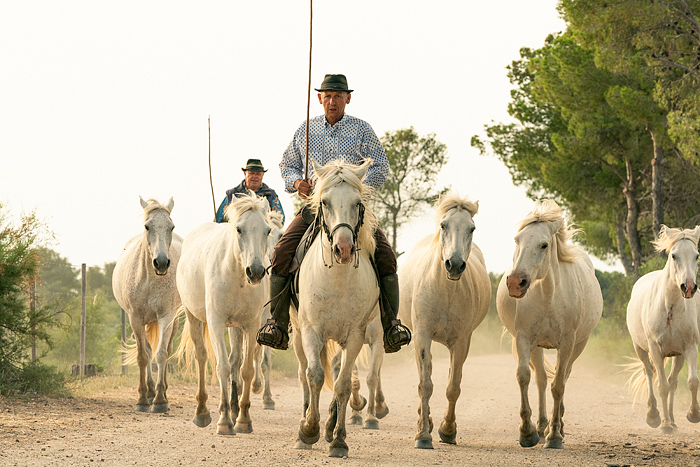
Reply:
x=219, y=277
x=338, y=294
x=662, y=317
x=143, y=283
x=445, y=295
x=549, y=299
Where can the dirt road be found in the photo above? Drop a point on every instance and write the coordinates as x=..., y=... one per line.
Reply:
x=603, y=428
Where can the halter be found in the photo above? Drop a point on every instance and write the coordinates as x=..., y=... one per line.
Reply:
x=355, y=231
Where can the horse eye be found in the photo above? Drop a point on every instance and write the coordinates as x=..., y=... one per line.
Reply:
x=544, y=246
x=172, y=228
x=673, y=257
x=238, y=230
x=146, y=227
x=269, y=231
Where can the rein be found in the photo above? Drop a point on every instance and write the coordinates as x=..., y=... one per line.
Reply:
x=355, y=232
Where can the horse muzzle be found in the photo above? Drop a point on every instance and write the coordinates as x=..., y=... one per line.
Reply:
x=689, y=289
x=518, y=285
x=161, y=264
x=455, y=266
x=255, y=272
x=343, y=251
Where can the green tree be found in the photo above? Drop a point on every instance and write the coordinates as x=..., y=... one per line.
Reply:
x=415, y=162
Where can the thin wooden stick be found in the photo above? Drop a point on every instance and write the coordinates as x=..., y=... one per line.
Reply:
x=211, y=183
x=308, y=90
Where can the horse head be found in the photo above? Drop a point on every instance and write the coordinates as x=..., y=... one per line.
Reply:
x=275, y=220
x=248, y=220
x=158, y=232
x=456, y=231
x=682, y=249
x=339, y=200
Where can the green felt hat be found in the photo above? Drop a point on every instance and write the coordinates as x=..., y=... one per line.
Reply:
x=334, y=83
x=254, y=165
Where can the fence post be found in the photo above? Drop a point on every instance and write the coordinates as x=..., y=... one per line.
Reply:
x=123, y=341
x=33, y=308
x=82, y=322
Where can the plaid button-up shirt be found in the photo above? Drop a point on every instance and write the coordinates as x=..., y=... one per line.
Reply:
x=351, y=140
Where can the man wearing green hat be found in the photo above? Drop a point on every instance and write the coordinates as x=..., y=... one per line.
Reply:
x=253, y=174
x=332, y=136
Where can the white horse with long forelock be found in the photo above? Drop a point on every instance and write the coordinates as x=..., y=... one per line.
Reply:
x=219, y=279
x=143, y=282
x=445, y=295
x=549, y=299
x=338, y=294
x=662, y=318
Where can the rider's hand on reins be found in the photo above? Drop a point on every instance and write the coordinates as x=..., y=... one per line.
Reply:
x=304, y=187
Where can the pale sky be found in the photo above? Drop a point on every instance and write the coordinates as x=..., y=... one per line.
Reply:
x=103, y=102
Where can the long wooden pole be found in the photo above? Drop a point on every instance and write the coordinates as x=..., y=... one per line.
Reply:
x=308, y=90
x=211, y=183
x=82, y=321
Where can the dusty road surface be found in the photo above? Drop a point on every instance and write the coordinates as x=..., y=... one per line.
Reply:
x=603, y=428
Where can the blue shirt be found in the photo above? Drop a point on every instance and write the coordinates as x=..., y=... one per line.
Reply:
x=264, y=190
x=350, y=140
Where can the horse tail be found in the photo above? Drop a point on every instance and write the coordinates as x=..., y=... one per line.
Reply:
x=637, y=381
x=130, y=349
x=185, y=352
x=364, y=358
x=549, y=368
x=327, y=352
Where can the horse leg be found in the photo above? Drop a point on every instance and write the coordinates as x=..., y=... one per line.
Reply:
x=528, y=432
x=301, y=374
x=448, y=427
x=257, y=386
x=309, y=428
x=202, y=417
x=376, y=398
x=244, y=424
x=653, y=417
x=381, y=409
x=537, y=360
x=357, y=401
x=235, y=338
x=151, y=391
x=693, y=414
x=267, y=403
x=165, y=328
x=567, y=354
x=228, y=402
x=424, y=439
x=664, y=388
x=676, y=367
x=143, y=360
x=341, y=395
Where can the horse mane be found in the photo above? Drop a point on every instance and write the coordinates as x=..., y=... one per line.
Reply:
x=547, y=210
x=243, y=204
x=275, y=218
x=152, y=205
x=669, y=237
x=445, y=203
x=337, y=172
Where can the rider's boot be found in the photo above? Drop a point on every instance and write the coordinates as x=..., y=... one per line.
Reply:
x=274, y=332
x=395, y=334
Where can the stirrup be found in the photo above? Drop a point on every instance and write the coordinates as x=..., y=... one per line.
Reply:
x=273, y=336
x=396, y=336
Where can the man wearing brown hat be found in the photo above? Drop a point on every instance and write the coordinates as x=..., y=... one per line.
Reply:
x=332, y=136
x=253, y=174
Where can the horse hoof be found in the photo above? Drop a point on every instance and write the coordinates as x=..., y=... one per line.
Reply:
x=302, y=445
x=160, y=408
x=355, y=420
x=693, y=416
x=423, y=444
x=530, y=440
x=667, y=429
x=202, y=420
x=338, y=452
x=359, y=406
x=243, y=427
x=554, y=444
x=268, y=405
x=142, y=408
x=308, y=439
x=448, y=439
x=383, y=413
x=371, y=424
x=225, y=430
x=256, y=388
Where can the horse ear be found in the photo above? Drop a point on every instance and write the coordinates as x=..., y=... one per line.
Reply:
x=663, y=231
x=556, y=225
x=361, y=170
x=696, y=233
x=315, y=166
x=170, y=205
x=143, y=203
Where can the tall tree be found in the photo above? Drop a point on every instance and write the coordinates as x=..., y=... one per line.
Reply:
x=415, y=162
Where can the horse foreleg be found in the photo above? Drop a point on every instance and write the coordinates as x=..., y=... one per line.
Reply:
x=664, y=388
x=165, y=329
x=217, y=330
x=528, y=432
x=341, y=395
x=309, y=429
x=267, y=402
x=676, y=368
x=143, y=361
x=653, y=417
x=357, y=401
x=202, y=417
x=537, y=360
x=448, y=427
x=301, y=370
x=693, y=414
x=257, y=385
x=235, y=358
x=565, y=358
x=424, y=440
x=244, y=424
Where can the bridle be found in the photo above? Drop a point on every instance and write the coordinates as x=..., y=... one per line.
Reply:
x=355, y=232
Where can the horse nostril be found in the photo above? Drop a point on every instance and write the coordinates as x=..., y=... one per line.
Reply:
x=462, y=267
x=167, y=265
x=523, y=283
x=336, y=250
x=248, y=272
x=683, y=288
